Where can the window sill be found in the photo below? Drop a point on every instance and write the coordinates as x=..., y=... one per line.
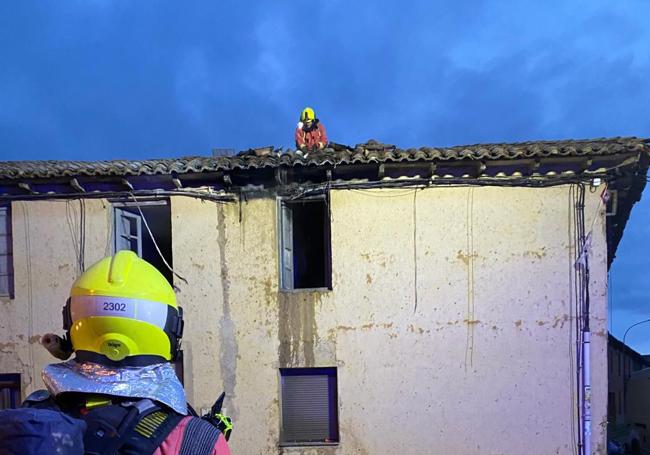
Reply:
x=295, y=291
x=288, y=445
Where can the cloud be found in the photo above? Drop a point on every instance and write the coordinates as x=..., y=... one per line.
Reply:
x=144, y=80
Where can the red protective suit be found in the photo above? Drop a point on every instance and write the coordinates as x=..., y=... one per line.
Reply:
x=313, y=137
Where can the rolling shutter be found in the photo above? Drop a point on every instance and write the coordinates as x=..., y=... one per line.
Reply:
x=305, y=408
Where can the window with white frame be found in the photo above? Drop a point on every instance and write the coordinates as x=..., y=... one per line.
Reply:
x=305, y=244
x=131, y=233
x=309, y=406
x=6, y=253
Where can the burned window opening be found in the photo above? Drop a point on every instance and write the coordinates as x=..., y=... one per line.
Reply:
x=305, y=244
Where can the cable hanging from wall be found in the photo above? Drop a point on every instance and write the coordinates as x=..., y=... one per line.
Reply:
x=146, y=225
x=582, y=242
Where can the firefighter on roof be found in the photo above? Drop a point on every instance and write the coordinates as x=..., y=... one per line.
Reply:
x=310, y=133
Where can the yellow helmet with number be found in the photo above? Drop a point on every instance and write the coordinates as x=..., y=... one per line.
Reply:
x=307, y=114
x=123, y=312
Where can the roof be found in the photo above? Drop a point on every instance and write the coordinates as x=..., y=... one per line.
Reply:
x=617, y=344
x=370, y=152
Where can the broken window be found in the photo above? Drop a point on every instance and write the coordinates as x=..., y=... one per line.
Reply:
x=131, y=232
x=6, y=253
x=305, y=249
x=9, y=390
x=309, y=406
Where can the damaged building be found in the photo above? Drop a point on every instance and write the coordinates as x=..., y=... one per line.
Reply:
x=362, y=300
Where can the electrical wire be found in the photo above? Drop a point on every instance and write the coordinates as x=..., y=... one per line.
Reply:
x=82, y=236
x=73, y=227
x=574, y=191
x=306, y=190
x=578, y=311
x=384, y=196
x=571, y=276
x=144, y=219
x=30, y=290
x=415, y=251
x=469, y=222
x=207, y=196
x=582, y=305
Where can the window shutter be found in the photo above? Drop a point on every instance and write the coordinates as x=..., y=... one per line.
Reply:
x=128, y=231
x=286, y=246
x=305, y=408
x=6, y=256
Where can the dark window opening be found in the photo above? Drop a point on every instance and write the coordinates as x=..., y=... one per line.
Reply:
x=309, y=406
x=305, y=244
x=9, y=390
x=131, y=233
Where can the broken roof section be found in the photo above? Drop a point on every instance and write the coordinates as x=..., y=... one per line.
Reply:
x=621, y=162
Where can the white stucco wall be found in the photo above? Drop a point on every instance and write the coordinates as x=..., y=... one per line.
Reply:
x=482, y=365
x=45, y=241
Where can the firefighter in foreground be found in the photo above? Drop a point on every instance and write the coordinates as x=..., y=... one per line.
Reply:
x=124, y=326
x=310, y=134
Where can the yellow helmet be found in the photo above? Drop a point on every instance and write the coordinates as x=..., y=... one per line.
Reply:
x=123, y=312
x=307, y=114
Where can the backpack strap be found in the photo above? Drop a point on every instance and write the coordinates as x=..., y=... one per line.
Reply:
x=150, y=431
x=107, y=428
x=128, y=427
x=132, y=427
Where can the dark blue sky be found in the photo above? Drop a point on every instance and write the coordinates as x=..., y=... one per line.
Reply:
x=102, y=79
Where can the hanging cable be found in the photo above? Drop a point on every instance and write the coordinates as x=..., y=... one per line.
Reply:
x=415, y=250
x=572, y=370
x=576, y=311
x=144, y=219
x=583, y=240
x=82, y=236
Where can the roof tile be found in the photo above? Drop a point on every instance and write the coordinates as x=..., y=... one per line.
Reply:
x=336, y=154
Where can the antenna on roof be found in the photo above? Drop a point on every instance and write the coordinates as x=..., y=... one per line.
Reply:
x=222, y=151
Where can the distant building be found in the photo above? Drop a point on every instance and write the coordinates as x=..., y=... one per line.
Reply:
x=368, y=299
x=622, y=362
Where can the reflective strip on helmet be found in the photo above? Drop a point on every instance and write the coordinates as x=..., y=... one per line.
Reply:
x=98, y=305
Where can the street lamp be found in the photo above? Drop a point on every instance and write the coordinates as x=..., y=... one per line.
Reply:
x=633, y=325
